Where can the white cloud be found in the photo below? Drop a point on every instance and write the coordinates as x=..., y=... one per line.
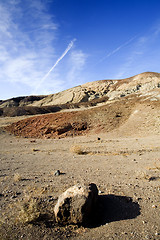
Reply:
x=77, y=62
x=25, y=55
x=28, y=50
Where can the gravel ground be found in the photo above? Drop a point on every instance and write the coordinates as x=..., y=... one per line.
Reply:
x=125, y=169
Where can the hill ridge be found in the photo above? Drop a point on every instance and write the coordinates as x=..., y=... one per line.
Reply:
x=145, y=85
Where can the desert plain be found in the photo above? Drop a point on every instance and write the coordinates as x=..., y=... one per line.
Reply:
x=115, y=145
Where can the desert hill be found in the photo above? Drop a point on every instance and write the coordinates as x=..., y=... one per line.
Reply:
x=143, y=83
x=117, y=147
x=90, y=94
x=112, y=89
x=127, y=106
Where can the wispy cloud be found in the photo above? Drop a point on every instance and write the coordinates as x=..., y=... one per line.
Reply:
x=77, y=61
x=144, y=55
x=28, y=48
x=24, y=55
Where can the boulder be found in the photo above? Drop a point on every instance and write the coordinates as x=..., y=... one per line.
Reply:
x=76, y=204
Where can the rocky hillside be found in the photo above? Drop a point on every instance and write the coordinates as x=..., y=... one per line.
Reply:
x=126, y=106
x=144, y=84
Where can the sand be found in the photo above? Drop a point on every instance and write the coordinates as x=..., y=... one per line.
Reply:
x=125, y=168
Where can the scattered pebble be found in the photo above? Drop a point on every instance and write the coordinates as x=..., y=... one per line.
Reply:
x=35, y=150
x=157, y=233
x=18, y=193
x=14, y=196
x=144, y=222
x=57, y=173
x=51, y=199
x=139, y=198
x=147, y=237
x=154, y=206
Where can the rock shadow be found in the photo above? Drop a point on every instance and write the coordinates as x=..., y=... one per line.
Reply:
x=112, y=208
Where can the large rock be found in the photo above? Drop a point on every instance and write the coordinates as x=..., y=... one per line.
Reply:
x=76, y=204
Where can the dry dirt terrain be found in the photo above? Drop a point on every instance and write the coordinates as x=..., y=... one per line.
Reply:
x=115, y=145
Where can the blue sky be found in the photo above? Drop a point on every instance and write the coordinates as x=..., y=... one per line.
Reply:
x=47, y=46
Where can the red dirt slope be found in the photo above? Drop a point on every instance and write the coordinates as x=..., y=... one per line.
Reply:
x=62, y=124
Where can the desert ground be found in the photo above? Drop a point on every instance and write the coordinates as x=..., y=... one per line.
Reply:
x=104, y=132
x=125, y=168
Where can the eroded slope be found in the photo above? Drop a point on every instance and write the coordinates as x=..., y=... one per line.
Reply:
x=129, y=116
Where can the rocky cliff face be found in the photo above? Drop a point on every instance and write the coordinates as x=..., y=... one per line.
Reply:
x=143, y=84
x=83, y=93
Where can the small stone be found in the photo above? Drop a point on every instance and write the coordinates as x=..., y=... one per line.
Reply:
x=18, y=193
x=144, y=222
x=98, y=138
x=139, y=198
x=12, y=197
x=147, y=236
x=57, y=173
x=51, y=199
x=157, y=233
x=154, y=206
x=35, y=150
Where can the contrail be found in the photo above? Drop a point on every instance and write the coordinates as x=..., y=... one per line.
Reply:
x=117, y=49
x=59, y=59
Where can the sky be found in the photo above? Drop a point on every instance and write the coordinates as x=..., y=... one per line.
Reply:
x=47, y=46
